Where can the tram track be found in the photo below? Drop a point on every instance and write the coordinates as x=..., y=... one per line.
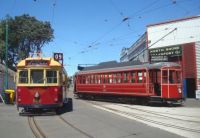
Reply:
x=161, y=114
x=74, y=127
x=38, y=133
x=144, y=119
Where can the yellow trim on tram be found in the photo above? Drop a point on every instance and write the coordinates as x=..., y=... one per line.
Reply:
x=53, y=78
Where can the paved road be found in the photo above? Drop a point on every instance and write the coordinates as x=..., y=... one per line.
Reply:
x=12, y=125
x=84, y=121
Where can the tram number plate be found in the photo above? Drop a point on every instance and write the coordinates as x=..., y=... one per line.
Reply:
x=58, y=56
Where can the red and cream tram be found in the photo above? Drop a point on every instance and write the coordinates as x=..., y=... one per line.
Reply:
x=158, y=82
x=41, y=84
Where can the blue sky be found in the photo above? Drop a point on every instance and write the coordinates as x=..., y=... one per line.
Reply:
x=93, y=31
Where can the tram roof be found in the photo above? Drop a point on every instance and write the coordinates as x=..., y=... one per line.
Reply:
x=51, y=61
x=116, y=66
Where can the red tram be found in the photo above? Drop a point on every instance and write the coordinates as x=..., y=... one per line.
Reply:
x=158, y=82
x=41, y=84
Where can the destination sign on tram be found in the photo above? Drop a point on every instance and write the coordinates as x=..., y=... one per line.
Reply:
x=37, y=63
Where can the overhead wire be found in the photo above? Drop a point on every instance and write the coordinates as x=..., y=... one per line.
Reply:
x=111, y=30
x=156, y=8
x=146, y=9
x=53, y=11
x=124, y=18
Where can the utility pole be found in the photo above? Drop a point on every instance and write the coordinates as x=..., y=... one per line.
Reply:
x=6, y=59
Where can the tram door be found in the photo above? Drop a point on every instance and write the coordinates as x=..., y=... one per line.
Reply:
x=155, y=80
x=171, y=83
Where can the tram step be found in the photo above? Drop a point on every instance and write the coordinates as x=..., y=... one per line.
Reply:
x=155, y=99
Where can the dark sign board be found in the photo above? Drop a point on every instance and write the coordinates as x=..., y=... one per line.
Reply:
x=162, y=54
x=37, y=63
x=159, y=58
x=58, y=57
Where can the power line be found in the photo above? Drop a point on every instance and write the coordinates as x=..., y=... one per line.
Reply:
x=146, y=7
x=124, y=18
x=116, y=8
x=138, y=13
x=53, y=11
x=155, y=42
x=157, y=8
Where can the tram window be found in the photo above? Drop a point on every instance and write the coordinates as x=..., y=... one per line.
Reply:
x=174, y=76
x=91, y=79
x=51, y=76
x=140, y=76
x=165, y=76
x=133, y=77
x=37, y=76
x=144, y=76
x=83, y=79
x=178, y=76
x=105, y=79
x=171, y=76
x=110, y=80
x=23, y=76
x=79, y=79
x=99, y=79
x=125, y=77
x=87, y=79
x=114, y=78
x=119, y=77
x=95, y=79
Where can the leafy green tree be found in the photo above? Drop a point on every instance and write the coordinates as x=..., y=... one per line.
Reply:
x=26, y=35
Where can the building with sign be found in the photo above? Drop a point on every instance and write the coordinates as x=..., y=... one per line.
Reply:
x=176, y=41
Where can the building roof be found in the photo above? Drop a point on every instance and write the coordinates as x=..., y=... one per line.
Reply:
x=171, y=21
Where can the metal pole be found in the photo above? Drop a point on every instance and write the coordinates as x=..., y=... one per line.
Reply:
x=6, y=60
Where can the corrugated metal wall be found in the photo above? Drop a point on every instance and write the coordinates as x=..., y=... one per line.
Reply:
x=11, y=84
x=197, y=46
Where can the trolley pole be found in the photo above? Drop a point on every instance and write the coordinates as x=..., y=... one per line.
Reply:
x=6, y=59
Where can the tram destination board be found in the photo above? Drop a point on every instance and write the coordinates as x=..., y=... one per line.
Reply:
x=163, y=54
x=37, y=63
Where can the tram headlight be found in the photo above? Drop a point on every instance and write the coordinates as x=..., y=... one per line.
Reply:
x=55, y=89
x=56, y=99
x=37, y=95
x=18, y=90
x=179, y=90
x=19, y=100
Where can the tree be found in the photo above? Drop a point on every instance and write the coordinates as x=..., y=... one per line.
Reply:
x=26, y=35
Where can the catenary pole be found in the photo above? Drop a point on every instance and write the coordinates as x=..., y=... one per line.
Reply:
x=6, y=59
